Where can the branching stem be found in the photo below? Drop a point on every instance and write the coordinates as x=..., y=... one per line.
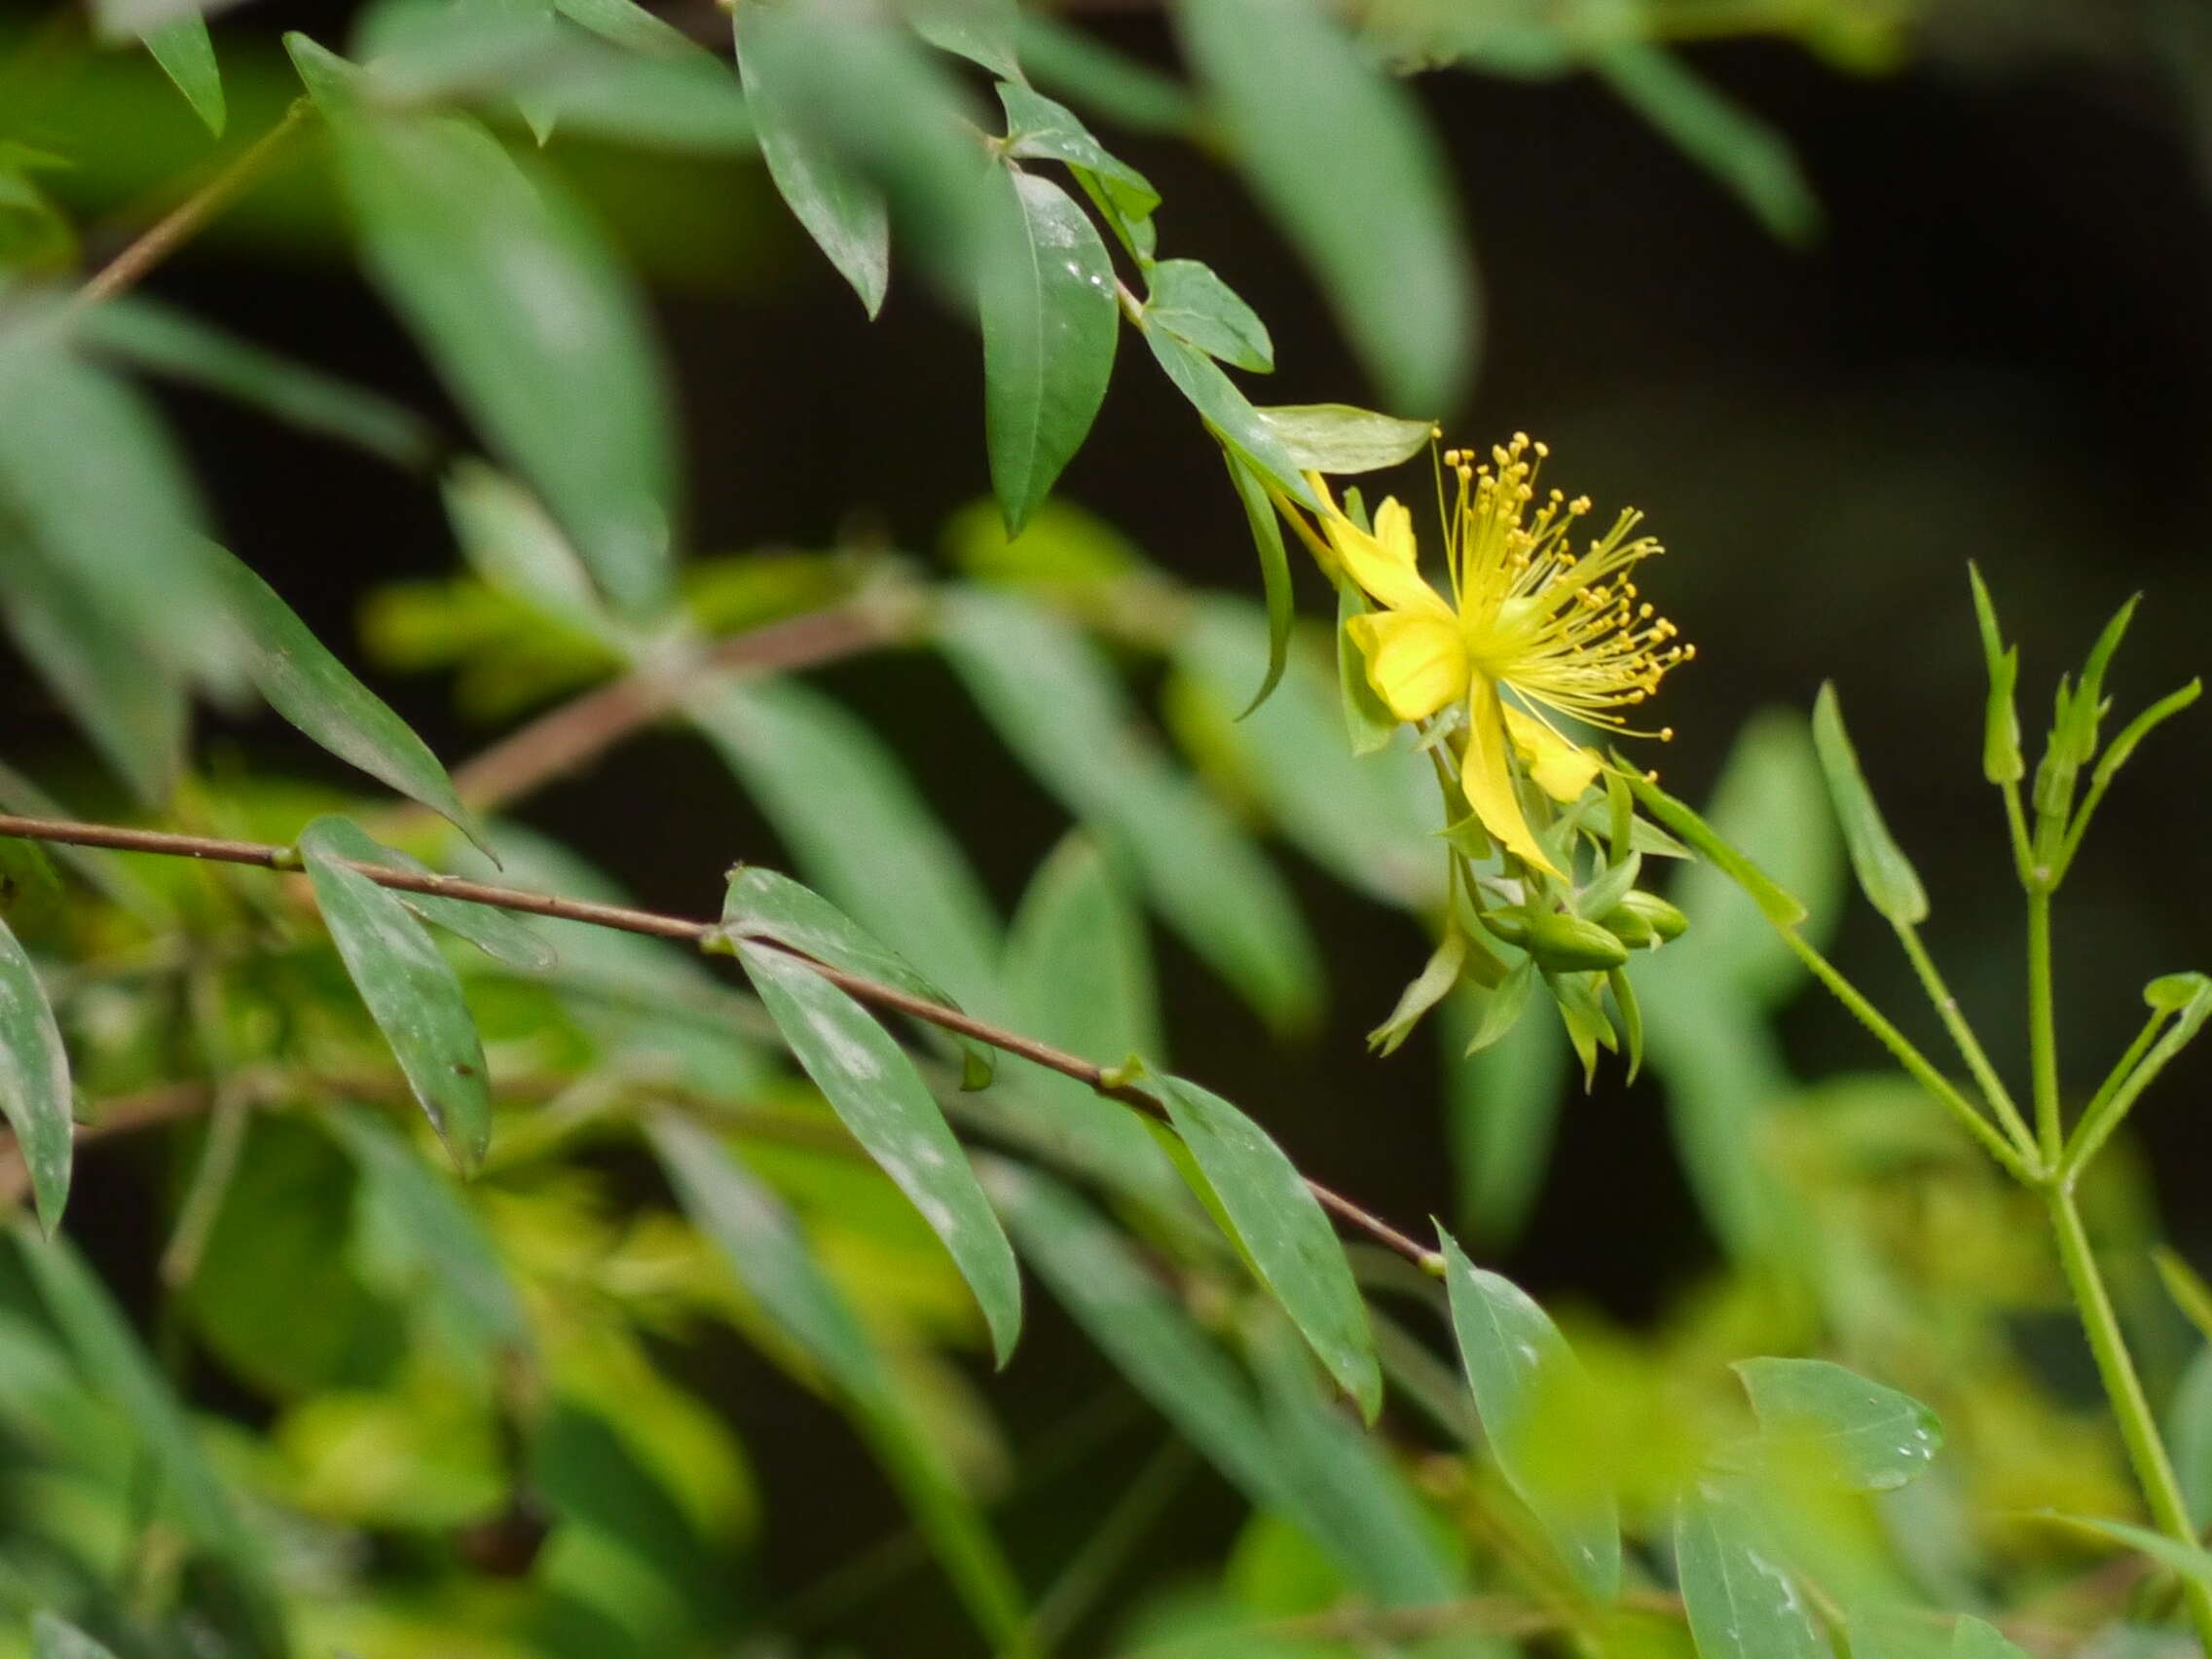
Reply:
x=700, y=935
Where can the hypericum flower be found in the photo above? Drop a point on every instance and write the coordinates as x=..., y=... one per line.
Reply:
x=1561, y=631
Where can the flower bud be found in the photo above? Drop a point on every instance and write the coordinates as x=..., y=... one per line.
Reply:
x=1569, y=944
x=1642, y=919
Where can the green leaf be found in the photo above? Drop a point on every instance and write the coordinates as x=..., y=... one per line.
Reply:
x=1078, y=975
x=1196, y=307
x=512, y=543
x=875, y=1090
x=1778, y=906
x=630, y=25
x=1144, y=1332
x=1352, y=1497
x=187, y=57
x=2189, y=1291
x=530, y=321
x=1050, y=326
x=1745, y=153
x=119, y=1369
x=761, y=903
x=1884, y=874
x=99, y=491
x=2188, y=1430
x=1741, y=1600
x=133, y=709
x=165, y=341
x=1971, y=1638
x=1275, y=573
x=1230, y=416
x=1530, y=1393
x=1339, y=154
x=411, y=992
x=1283, y=1229
x=497, y=934
x=982, y=31
x=839, y=799
x=1340, y=440
x=318, y=695
x=1503, y=1101
x=1057, y=704
x=34, y=1081
x=423, y=1243
x=2141, y=726
x=54, y=1637
x=1869, y=1437
x=2001, y=761
x=762, y=1244
x=845, y=216
x=1427, y=989
x=1039, y=130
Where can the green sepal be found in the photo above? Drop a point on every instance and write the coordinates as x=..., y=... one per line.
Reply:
x=2001, y=761
x=1428, y=988
x=1632, y=1017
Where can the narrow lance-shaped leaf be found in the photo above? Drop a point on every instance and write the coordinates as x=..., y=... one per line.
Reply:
x=1275, y=571
x=763, y=904
x=881, y=1098
x=762, y=1244
x=1050, y=326
x=1972, y=1639
x=521, y=305
x=1340, y=152
x=1230, y=415
x=842, y=211
x=1884, y=874
x=502, y=936
x=411, y=992
x=982, y=31
x=1778, y=906
x=316, y=693
x=2187, y=1560
x=1145, y=1333
x=1283, y=1229
x=1528, y=1392
x=1188, y=299
x=1039, y=130
x=1341, y=440
x=1867, y=1436
x=34, y=1081
x=187, y=57
x=1741, y=1600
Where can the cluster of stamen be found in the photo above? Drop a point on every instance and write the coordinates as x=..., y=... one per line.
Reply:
x=1564, y=629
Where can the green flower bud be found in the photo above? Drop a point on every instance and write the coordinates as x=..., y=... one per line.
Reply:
x=1567, y=944
x=1646, y=914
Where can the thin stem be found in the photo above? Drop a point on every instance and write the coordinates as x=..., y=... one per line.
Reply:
x=127, y=268
x=2016, y=824
x=1969, y=1044
x=702, y=936
x=2138, y=1426
x=1914, y=1062
x=2043, y=1032
x=2118, y=1093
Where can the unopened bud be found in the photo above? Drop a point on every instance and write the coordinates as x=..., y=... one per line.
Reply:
x=1569, y=944
x=1642, y=919
x=1510, y=925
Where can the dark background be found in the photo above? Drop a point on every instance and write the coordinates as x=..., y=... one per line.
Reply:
x=1999, y=350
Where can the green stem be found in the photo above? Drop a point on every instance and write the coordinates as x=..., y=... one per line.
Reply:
x=1915, y=1062
x=1962, y=1034
x=2042, y=1035
x=2138, y=1427
x=2118, y=1094
x=2017, y=822
x=2100, y=1103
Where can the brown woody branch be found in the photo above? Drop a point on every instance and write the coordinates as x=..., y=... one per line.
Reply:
x=699, y=935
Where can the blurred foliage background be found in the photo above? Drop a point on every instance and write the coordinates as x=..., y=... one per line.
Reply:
x=1841, y=293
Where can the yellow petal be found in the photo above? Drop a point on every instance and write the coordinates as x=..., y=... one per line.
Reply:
x=1488, y=780
x=1416, y=663
x=1561, y=769
x=1387, y=562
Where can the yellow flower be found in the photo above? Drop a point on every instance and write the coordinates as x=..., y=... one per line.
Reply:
x=1561, y=631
